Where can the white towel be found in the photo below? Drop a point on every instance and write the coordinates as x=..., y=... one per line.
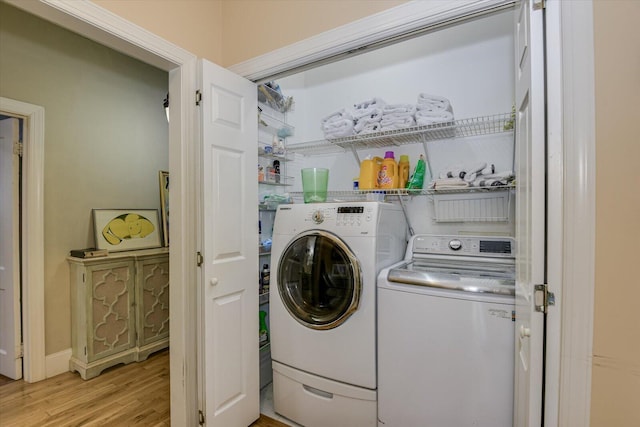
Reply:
x=397, y=123
x=337, y=116
x=374, y=117
x=338, y=129
x=425, y=117
x=329, y=126
x=448, y=183
x=398, y=109
x=370, y=128
x=433, y=103
x=365, y=108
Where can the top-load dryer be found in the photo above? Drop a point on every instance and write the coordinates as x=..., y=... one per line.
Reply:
x=325, y=260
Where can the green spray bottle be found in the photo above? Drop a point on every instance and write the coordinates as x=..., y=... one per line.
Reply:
x=417, y=178
x=264, y=331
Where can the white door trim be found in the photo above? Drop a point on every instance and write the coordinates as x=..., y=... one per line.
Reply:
x=102, y=26
x=386, y=25
x=33, y=363
x=572, y=206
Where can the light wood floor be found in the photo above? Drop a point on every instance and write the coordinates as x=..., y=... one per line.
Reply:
x=125, y=395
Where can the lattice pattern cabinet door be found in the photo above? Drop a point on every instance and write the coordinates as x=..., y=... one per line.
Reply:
x=152, y=295
x=103, y=317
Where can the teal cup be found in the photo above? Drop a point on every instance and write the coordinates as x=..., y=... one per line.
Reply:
x=314, y=184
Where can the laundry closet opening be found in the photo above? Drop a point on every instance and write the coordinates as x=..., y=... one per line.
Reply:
x=468, y=65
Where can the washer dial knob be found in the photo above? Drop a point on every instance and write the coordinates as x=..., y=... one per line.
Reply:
x=318, y=217
x=455, y=245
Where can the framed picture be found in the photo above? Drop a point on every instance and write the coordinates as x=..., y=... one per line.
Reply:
x=126, y=229
x=164, y=205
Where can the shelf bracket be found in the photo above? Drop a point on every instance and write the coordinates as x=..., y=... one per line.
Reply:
x=355, y=154
x=406, y=216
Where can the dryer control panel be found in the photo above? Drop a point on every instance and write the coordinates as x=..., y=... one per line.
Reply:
x=343, y=215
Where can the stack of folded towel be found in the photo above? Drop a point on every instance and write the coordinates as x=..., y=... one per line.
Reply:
x=431, y=109
x=478, y=175
x=367, y=115
x=397, y=116
x=338, y=125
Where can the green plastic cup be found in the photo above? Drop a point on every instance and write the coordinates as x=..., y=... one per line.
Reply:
x=314, y=184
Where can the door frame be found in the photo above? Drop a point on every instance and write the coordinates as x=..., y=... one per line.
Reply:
x=32, y=232
x=98, y=24
x=571, y=317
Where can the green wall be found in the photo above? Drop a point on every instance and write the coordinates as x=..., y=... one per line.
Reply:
x=106, y=138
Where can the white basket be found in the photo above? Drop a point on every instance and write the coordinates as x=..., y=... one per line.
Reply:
x=491, y=206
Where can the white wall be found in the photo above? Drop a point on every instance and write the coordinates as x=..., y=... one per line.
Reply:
x=106, y=138
x=470, y=64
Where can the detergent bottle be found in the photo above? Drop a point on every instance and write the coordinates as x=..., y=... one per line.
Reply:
x=369, y=169
x=388, y=176
x=403, y=170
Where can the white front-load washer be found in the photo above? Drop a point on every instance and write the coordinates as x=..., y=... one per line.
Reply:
x=325, y=261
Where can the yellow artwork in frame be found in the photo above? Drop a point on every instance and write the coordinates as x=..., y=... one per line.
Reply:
x=126, y=229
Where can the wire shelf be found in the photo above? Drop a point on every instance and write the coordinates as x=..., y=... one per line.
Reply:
x=381, y=195
x=457, y=129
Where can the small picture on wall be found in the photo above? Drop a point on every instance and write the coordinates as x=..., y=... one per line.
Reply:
x=164, y=205
x=126, y=229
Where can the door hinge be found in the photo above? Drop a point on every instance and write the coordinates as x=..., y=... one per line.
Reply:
x=199, y=259
x=543, y=298
x=198, y=97
x=200, y=417
x=538, y=4
x=18, y=148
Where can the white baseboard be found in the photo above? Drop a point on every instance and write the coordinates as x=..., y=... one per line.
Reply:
x=57, y=363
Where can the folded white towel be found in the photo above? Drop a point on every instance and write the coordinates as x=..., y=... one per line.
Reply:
x=365, y=108
x=448, y=183
x=341, y=114
x=425, y=117
x=369, y=128
x=433, y=103
x=398, y=109
x=397, y=116
x=338, y=124
x=374, y=117
x=338, y=129
x=397, y=123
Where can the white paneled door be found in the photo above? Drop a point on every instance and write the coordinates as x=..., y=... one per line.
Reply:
x=229, y=303
x=530, y=212
x=10, y=339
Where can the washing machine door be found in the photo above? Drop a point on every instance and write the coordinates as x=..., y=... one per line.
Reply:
x=319, y=280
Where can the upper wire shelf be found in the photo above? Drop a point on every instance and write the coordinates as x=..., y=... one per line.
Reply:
x=476, y=126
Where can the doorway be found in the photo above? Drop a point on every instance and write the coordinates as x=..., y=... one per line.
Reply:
x=32, y=236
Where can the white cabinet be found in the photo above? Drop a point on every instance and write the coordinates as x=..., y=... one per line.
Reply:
x=119, y=309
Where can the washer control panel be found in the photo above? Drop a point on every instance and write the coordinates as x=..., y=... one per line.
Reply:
x=464, y=245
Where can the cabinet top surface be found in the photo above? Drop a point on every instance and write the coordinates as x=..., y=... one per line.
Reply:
x=116, y=256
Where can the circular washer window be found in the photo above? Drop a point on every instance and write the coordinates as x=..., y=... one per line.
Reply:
x=319, y=280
